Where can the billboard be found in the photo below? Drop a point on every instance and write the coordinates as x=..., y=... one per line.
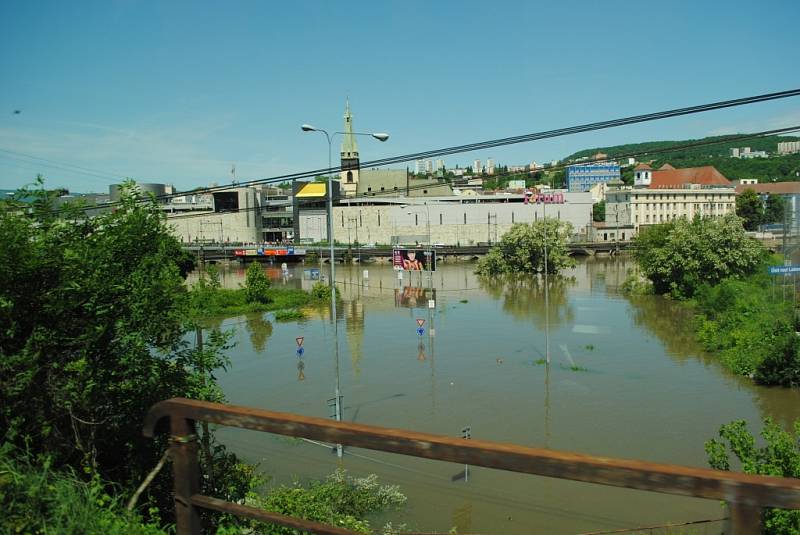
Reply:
x=414, y=260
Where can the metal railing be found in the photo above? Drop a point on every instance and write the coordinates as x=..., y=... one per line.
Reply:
x=745, y=494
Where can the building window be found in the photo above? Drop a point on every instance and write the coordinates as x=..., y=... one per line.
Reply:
x=440, y=219
x=349, y=177
x=379, y=219
x=416, y=219
x=465, y=218
x=369, y=188
x=512, y=218
x=425, y=192
x=382, y=188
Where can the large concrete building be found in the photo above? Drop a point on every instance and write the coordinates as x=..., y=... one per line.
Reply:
x=666, y=194
x=447, y=220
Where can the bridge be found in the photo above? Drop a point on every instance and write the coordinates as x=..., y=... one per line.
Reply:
x=296, y=253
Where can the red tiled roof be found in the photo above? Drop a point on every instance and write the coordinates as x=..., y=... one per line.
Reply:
x=773, y=187
x=642, y=166
x=678, y=178
x=666, y=167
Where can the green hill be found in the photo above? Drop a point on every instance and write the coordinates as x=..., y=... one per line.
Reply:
x=772, y=169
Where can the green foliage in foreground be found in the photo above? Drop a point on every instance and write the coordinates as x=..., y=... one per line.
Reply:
x=521, y=250
x=290, y=314
x=779, y=457
x=750, y=330
x=35, y=499
x=339, y=500
x=682, y=255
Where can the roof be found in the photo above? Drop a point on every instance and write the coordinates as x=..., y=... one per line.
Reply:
x=779, y=188
x=312, y=189
x=678, y=178
x=642, y=166
x=666, y=167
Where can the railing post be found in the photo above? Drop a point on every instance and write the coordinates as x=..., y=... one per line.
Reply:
x=743, y=519
x=185, y=471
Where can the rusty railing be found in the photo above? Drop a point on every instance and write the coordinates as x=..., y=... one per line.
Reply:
x=745, y=494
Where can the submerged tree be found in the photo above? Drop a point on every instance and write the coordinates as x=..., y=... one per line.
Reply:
x=680, y=256
x=522, y=249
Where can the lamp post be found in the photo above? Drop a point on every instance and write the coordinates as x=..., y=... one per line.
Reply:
x=380, y=137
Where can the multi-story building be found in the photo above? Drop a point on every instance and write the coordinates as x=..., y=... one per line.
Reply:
x=476, y=167
x=583, y=177
x=428, y=167
x=789, y=191
x=419, y=167
x=666, y=194
x=746, y=154
x=788, y=147
x=490, y=166
x=439, y=165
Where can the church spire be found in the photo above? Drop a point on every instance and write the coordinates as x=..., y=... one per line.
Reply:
x=349, y=146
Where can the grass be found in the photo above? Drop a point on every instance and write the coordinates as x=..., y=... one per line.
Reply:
x=589, y=347
x=36, y=499
x=231, y=302
x=464, y=301
x=576, y=368
x=289, y=314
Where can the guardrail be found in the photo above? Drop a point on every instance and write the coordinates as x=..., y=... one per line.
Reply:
x=745, y=494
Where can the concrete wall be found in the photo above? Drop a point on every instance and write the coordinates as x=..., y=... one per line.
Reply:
x=450, y=223
x=241, y=226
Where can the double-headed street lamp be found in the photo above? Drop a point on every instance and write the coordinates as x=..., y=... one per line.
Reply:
x=380, y=136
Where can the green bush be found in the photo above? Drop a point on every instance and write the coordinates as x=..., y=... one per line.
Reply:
x=521, y=250
x=321, y=292
x=256, y=284
x=780, y=457
x=35, y=499
x=290, y=314
x=339, y=500
x=682, y=255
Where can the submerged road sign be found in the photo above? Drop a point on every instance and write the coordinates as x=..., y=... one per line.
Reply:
x=420, y=322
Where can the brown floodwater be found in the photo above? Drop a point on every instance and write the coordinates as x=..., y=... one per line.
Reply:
x=627, y=380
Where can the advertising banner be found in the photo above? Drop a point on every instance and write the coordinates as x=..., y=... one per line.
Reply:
x=414, y=260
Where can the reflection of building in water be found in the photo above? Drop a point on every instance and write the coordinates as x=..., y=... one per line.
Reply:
x=354, y=330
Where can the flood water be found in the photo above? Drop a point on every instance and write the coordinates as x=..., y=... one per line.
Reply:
x=626, y=381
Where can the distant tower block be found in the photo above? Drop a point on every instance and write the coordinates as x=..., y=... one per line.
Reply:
x=350, y=161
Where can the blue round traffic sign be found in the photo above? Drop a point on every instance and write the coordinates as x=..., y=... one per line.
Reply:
x=300, y=351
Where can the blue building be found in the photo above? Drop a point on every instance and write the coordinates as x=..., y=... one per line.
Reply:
x=583, y=177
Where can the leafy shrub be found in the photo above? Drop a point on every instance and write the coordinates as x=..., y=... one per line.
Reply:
x=339, y=500
x=35, y=499
x=682, y=255
x=521, y=250
x=256, y=284
x=290, y=314
x=780, y=457
x=321, y=292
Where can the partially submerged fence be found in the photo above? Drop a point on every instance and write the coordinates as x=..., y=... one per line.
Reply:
x=745, y=494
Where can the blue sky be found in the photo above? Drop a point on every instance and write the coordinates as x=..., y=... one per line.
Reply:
x=178, y=91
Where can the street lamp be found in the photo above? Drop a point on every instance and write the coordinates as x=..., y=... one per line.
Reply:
x=380, y=136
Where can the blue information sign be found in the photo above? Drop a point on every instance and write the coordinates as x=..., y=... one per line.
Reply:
x=300, y=351
x=783, y=270
x=421, y=331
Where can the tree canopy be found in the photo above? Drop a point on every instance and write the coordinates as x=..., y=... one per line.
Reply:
x=750, y=208
x=680, y=256
x=521, y=249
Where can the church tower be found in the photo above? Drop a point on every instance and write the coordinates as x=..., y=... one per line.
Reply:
x=350, y=163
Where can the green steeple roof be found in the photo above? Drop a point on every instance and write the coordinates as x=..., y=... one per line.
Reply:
x=349, y=146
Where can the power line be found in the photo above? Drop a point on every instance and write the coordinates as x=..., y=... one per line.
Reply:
x=61, y=165
x=631, y=154
x=512, y=140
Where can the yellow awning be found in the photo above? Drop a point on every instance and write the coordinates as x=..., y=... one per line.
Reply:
x=314, y=189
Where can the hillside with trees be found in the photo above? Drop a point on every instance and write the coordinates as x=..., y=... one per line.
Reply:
x=772, y=169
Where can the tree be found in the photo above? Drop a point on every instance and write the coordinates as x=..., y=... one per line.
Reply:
x=599, y=211
x=680, y=256
x=256, y=284
x=774, y=209
x=92, y=313
x=750, y=208
x=780, y=457
x=521, y=249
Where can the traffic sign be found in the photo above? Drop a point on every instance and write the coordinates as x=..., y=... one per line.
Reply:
x=420, y=331
x=299, y=341
x=300, y=351
x=420, y=322
x=783, y=270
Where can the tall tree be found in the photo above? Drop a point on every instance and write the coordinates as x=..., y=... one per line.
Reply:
x=522, y=249
x=750, y=208
x=599, y=211
x=774, y=209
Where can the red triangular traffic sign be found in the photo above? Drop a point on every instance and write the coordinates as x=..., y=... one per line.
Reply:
x=299, y=341
x=420, y=322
